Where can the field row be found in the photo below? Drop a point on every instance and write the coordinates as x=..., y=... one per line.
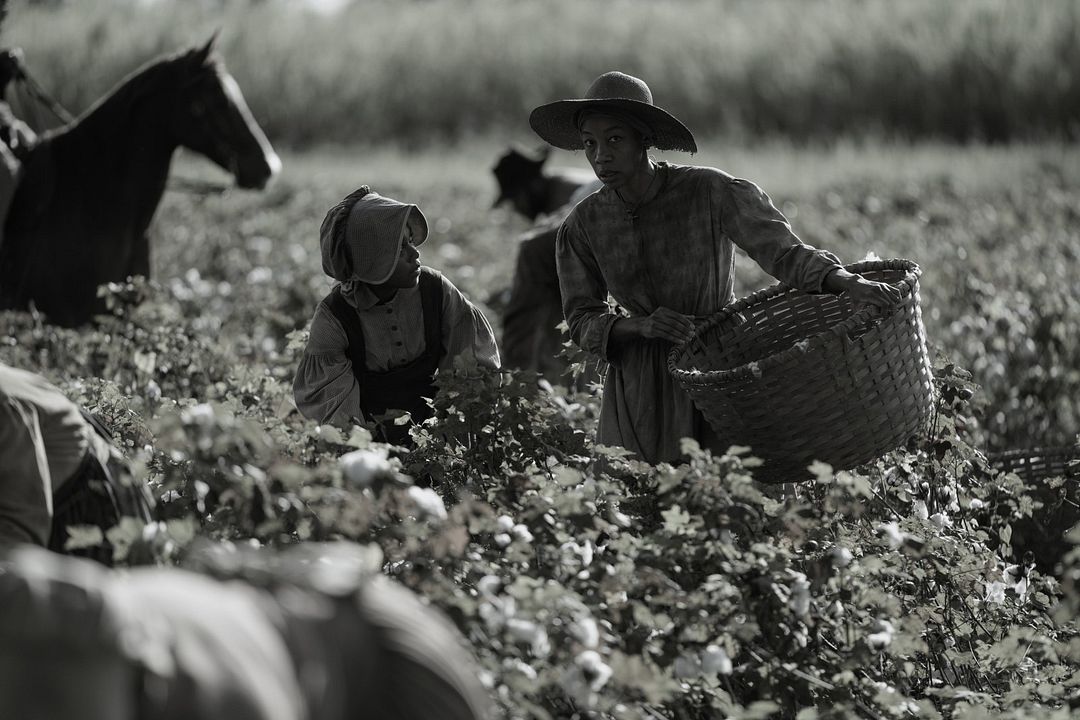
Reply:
x=425, y=71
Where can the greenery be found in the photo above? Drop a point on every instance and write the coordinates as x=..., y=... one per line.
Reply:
x=923, y=584
x=423, y=72
x=588, y=585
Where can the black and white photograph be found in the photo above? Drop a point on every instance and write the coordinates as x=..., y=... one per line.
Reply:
x=539, y=359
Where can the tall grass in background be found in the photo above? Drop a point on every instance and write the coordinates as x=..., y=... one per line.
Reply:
x=417, y=72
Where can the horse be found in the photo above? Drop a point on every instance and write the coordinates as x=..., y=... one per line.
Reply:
x=89, y=190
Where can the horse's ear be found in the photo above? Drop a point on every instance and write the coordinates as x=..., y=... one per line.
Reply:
x=203, y=53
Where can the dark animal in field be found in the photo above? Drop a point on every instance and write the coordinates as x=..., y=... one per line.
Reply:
x=532, y=191
x=89, y=190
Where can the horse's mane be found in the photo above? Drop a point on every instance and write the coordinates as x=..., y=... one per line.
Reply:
x=169, y=71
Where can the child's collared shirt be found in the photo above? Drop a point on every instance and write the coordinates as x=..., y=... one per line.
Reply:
x=325, y=387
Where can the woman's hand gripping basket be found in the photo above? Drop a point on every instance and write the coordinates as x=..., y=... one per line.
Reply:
x=800, y=377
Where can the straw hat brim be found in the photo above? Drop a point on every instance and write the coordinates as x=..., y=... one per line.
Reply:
x=554, y=122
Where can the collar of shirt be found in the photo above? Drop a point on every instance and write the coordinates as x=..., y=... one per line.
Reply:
x=360, y=296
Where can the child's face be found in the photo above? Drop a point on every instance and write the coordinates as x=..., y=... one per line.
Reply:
x=407, y=271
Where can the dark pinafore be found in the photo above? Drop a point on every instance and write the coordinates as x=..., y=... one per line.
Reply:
x=400, y=388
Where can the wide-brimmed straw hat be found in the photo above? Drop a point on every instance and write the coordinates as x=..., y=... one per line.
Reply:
x=624, y=94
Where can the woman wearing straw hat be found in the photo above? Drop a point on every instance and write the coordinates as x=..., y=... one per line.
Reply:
x=660, y=239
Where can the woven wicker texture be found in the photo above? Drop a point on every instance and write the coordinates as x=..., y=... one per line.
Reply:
x=1043, y=532
x=800, y=377
x=1039, y=463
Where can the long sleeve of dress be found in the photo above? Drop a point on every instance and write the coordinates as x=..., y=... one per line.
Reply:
x=749, y=218
x=466, y=331
x=584, y=292
x=324, y=387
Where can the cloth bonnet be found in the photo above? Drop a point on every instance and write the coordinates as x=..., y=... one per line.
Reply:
x=360, y=237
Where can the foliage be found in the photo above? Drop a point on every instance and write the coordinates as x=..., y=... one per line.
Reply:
x=587, y=584
x=590, y=583
x=994, y=70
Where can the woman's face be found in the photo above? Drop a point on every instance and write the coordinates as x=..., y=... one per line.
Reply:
x=614, y=150
x=407, y=271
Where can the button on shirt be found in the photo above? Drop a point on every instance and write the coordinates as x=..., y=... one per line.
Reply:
x=325, y=388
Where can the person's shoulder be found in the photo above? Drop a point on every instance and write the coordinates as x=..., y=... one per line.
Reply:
x=714, y=180
x=699, y=174
x=435, y=275
x=591, y=206
x=445, y=284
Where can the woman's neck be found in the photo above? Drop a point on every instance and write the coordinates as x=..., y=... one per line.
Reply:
x=637, y=187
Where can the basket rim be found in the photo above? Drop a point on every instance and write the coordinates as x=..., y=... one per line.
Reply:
x=1038, y=451
x=862, y=319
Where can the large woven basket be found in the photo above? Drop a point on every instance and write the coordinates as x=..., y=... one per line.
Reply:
x=800, y=377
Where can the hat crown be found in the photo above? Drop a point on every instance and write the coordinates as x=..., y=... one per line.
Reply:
x=615, y=85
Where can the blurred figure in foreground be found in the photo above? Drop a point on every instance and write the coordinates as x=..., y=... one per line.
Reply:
x=314, y=633
x=58, y=468
x=16, y=137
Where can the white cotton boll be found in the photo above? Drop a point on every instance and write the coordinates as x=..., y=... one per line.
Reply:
x=920, y=510
x=882, y=637
x=596, y=671
x=618, y=517
x=841, y=556
x=428, y=502
x=522, y=630
x=524, y=668
x=361, y=468
x=492, y=616
x=504, y=523
x=800, y=596
x=715, y=661
x=201, y=415
x=488, y=585
x=586, y=631
x=502, y=539
x=890, y=531
x=1021, y=588
x=587, y=553
x=521, y=532
x=975, y=504
x=541, y=646
x=940, y=521
x=995, y=593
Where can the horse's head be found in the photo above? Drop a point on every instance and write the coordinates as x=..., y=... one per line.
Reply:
x=212, y=118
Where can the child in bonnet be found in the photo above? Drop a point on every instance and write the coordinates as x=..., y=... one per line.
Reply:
x=389, y=326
